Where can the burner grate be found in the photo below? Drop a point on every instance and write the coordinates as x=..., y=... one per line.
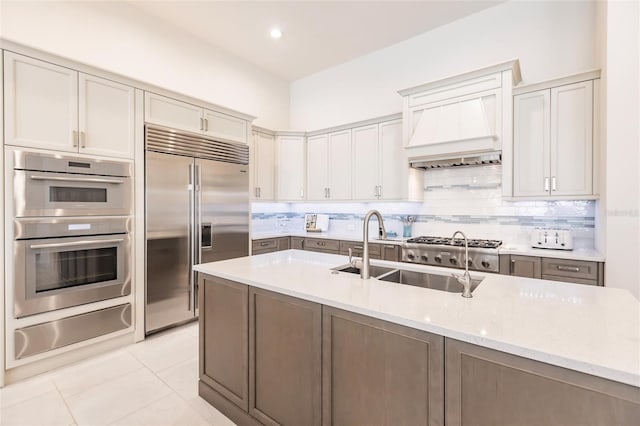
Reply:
x=458, y=242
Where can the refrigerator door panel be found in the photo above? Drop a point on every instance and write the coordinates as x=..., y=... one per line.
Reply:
x=223, y=218
x=169, y=297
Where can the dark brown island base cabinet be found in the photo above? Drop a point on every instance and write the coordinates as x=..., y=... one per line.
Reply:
x=271, y=359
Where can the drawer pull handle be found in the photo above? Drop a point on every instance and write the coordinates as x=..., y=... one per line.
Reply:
x=358, y=247
x=568, y=268
x=264, y=244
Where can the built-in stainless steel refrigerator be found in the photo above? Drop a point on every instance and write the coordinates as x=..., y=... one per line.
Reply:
x=197, y=211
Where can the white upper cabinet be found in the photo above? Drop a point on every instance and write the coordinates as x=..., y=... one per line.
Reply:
x=366, y=162
x=318, y=167
x=185, y=116
x=339, y=165
x=41, y=104
x=172, y=113
x=263, y=167
x=329, y=166
x=223, y=126
x=52, y=107
x=378, y=161
x=531, y=159
x=553, y=142
x=106, y=115
x=572, y=139
x=290, y=167
x=393, y=179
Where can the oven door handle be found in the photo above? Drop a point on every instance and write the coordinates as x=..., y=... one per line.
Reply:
x=76, y=243
x=71, y=179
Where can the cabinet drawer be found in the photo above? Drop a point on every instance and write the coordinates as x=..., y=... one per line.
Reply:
x=570, y=280
x=297, y=243
x=321, y=244
x=357, y=247
x=570, y=268
x=270, y=243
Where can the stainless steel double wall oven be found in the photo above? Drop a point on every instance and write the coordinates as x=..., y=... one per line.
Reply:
x=71, y=243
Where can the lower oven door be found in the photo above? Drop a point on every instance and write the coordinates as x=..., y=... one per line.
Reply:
x=57, y=273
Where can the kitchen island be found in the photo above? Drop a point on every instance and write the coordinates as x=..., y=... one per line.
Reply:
x=287, y=340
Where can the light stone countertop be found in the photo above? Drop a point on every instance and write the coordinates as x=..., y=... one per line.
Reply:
x=590, y=329
x=591, y=255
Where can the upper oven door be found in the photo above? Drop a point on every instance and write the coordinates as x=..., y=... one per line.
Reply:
x=55, y=273
x=64, y=194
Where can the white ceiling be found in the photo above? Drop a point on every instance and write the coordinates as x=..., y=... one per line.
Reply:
x=317, y=34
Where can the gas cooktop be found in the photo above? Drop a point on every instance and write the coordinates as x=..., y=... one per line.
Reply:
x=439, y=251
x=459, y=242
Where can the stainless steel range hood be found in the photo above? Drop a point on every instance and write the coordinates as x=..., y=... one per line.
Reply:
x=466, y=161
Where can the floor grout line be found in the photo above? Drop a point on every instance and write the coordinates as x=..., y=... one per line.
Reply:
x=64, y=401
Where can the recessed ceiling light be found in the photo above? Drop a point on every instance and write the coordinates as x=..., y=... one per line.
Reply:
x=276, y=33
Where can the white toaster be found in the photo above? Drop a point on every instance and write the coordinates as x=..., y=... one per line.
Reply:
x=559, y=239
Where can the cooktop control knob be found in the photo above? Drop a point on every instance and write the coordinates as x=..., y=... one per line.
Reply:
x=438, y=259
x=410, y=256
x=470, y=263
x=424, y=258
x=453, y=260
x=485, y=264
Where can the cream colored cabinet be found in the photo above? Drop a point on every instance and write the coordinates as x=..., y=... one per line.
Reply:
x=553, y=142
x=106, y=117
x=329, y=166
x=52, y=107
x=263, y=166
x=40, y=104
x=185, y=116
x=223, y=126
x=172, y=113
x=377, y=159
x=290, y=166
x=318, y=167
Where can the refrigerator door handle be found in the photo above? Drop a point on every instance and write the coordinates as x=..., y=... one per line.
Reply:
x=190, y=238
x=206, y=230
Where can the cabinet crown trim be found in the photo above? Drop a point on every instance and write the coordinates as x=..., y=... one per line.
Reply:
x=560, y=81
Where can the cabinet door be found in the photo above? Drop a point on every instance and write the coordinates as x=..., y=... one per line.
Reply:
x=377, y=373
x=223, y=126
x=263, y=170
x=41, y=104
x=172, y=113
x=391, y=252
x=317, y=167
x=285, y=359
x=366, y=162
x=572, y=139
x=107, y=114
x=224, y=338
x=531, y=144
x=488, y=387
x=392, y=160
x=290, y=168
x=525, y=266
x=340, y=165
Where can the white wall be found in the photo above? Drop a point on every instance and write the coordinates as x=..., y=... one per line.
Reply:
x=623, y=146
x=551, y=39
x=118, y=38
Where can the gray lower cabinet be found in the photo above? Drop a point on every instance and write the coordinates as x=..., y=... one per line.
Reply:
x=224, y=344
x=487, y=387
x=284, y=359
x=357, y=249
x=378, y=373
x=269, y=245
x=297, y=243
x=391, y=252
x=322, y=245
x=565, y=270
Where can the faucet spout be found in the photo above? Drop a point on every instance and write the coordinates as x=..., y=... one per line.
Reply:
x=365, y=271
x=465, y=279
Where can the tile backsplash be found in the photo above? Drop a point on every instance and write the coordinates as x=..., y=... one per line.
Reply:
x=469, y=199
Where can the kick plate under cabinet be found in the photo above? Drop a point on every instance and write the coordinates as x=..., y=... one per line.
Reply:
x=47, y=336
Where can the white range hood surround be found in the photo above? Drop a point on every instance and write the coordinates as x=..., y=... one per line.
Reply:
x=460, y=117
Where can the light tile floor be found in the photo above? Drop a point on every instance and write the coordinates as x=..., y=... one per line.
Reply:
x=154, y=382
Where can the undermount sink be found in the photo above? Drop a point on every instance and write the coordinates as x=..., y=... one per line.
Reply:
x=426, y=280
x=418, y=279
x=376, y=271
